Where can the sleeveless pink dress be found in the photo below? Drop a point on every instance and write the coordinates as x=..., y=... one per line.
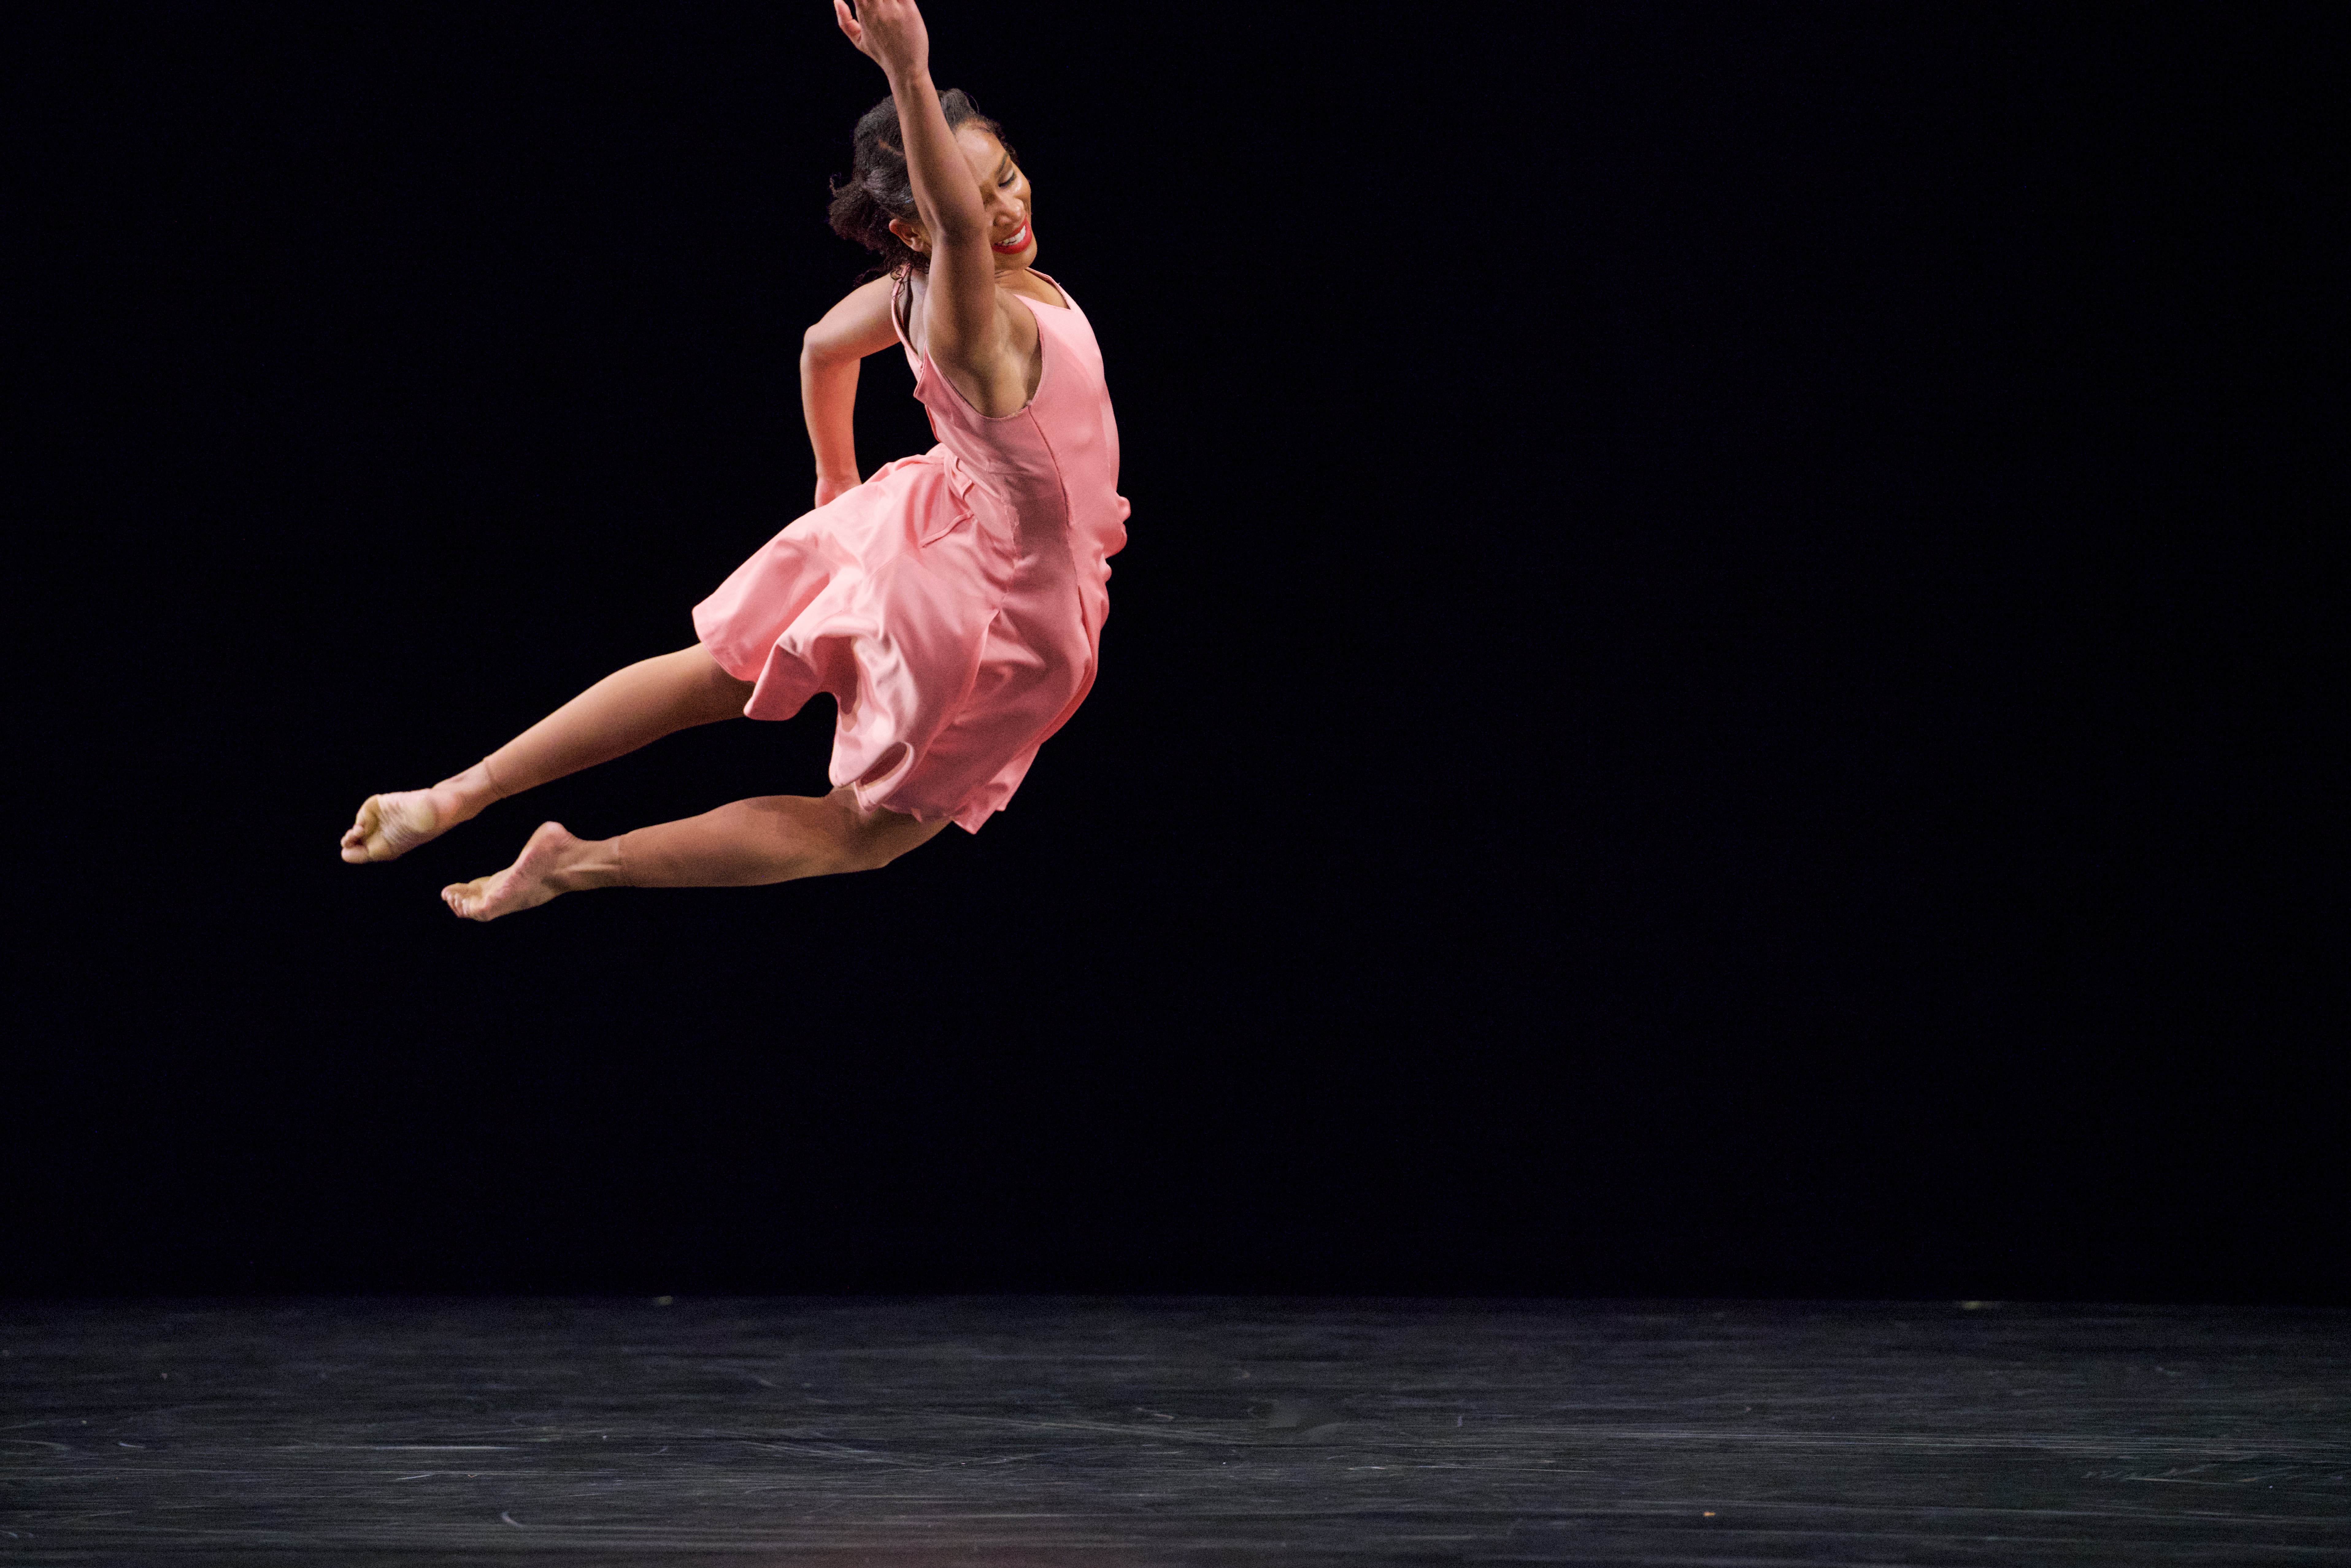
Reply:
x=953, y=603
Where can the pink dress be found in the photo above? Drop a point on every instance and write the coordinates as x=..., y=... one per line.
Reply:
x=953, y=603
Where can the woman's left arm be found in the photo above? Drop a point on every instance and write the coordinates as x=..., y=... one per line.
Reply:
x=830, y=351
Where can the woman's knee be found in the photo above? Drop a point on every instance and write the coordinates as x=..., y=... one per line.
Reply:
x=871, y=839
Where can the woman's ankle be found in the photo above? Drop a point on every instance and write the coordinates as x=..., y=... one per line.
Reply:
x=474, y=789
x=591, y=863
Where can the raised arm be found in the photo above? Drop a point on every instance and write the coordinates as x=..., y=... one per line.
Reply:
x=967, y=328
x=830, y=354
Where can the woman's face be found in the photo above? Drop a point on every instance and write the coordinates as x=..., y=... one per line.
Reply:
x=1003, y=195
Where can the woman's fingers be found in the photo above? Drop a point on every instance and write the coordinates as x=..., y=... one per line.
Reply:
x=890, y=32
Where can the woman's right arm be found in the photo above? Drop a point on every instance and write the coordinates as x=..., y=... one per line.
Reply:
x=966, y=324
x=858, y=325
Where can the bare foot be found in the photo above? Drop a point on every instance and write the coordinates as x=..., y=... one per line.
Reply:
x=553, y=862
x=389, y=826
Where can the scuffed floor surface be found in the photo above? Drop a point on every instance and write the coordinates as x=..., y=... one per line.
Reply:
x=910, y=1433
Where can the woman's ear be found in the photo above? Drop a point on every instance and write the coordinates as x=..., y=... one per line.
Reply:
x=910, y=236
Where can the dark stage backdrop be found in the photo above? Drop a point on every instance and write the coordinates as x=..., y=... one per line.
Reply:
x=1679, y=716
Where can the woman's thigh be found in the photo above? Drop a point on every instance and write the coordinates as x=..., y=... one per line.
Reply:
x=711, y=687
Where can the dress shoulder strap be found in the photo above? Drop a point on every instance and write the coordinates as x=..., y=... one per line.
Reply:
x=1067, y=298
x=902, y=315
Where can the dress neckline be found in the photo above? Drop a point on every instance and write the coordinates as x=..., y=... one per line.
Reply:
x=1056, y=282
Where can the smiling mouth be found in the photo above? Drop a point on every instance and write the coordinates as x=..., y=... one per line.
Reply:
x=1018, y=242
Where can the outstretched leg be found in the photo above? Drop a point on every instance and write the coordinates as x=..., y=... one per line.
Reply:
x=774, y=838
x=625, y=710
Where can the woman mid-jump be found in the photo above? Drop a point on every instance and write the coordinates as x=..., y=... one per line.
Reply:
x=952, y=603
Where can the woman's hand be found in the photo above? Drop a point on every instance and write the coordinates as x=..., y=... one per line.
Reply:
x=888, y=32
x=829, y=487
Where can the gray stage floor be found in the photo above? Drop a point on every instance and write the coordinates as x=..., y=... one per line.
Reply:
x=904, y=1432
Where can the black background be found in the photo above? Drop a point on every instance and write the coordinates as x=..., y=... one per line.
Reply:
x=1690, y=707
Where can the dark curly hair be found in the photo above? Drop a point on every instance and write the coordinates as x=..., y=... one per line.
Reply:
x=878, y=188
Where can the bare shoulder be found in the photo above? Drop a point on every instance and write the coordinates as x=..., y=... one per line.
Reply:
x=874, y=291
x=859, y=324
